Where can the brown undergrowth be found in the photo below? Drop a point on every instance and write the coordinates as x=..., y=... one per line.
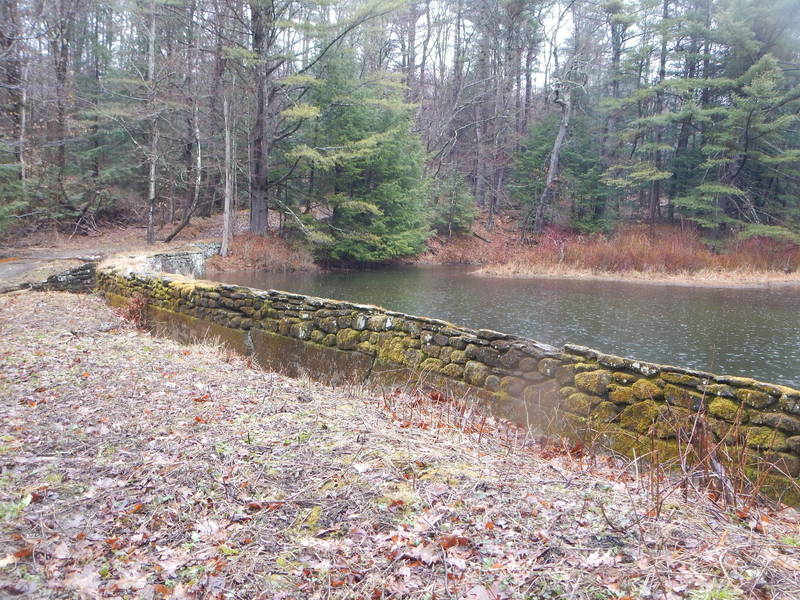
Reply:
x=270, y=253
x=136, y=467
x=632, y=252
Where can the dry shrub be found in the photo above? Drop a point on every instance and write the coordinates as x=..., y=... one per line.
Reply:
x=667, y=250
x=265, y=253
x=135, y=311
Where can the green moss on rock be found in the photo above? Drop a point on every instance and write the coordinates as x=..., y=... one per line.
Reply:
x=593, y=382
x=727, y=410
x=453, y=371
x=640, y=417
x=475, y=373
x=776, y=420
x=348, y=339
x=581, y=404
x=646, y=389
x=621, y=394
x=754, y=398
x=765, y=438
x=681, y=397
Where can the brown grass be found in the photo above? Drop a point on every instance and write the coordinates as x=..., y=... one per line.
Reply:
x=272, y=253
x=672, y=253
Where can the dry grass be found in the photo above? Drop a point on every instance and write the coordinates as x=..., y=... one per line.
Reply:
x=672, y=254
x=269, y=253
x=136, y=467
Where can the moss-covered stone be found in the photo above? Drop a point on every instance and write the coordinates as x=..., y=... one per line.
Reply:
x=567, y=390
x=513, y=385
x=781, y=462
x=679, y=396
x=624, y=378
x=431, y=364
x=528, y=364
x=348, y=339
x=755, y=398
x=330, y=340
x=646, y=389
x=412, y=357
x=377, y=322
x=593, y=382
x=454, y=371
x=790, y=402
x=640, y=417
x=317, y=336
x=794, y=443
x=548, y=366
x=620, y=394
x=581, y=404
x=765, y=438
x=681, y=379
x=475, y=372
x=301, y=331
x=605, y=412
x=776, y=420
x=718, y=389
x=492, y=384
x=459, y=357
x=728, y=410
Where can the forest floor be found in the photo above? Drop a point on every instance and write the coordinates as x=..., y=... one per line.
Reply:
x=135, y=467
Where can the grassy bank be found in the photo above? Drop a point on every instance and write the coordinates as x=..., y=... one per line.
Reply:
x=671, y=254
x=136, y=467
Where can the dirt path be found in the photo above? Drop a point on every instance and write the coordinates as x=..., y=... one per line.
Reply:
x=134, y=467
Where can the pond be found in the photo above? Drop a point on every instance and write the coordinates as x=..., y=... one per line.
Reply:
x=752, y=332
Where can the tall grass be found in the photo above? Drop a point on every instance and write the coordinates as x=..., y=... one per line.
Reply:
x=668, y=250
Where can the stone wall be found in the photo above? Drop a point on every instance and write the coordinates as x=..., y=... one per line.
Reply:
x=77, y=279
x=636, y=408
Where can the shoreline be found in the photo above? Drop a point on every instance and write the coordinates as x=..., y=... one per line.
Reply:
x=699, y=280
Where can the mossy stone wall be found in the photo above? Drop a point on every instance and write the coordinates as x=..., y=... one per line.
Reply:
x=636, y=408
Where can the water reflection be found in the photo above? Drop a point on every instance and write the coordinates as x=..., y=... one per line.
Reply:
x=749, y=332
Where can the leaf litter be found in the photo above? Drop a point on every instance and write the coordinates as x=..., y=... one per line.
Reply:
x=136, y=467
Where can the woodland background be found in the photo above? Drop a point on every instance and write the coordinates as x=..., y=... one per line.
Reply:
x=366, y=126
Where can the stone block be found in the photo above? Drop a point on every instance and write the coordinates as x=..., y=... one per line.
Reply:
x=593, y=382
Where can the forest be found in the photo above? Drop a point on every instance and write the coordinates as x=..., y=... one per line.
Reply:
x=363, y=127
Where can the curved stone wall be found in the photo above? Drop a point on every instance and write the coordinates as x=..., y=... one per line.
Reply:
x=636, y=408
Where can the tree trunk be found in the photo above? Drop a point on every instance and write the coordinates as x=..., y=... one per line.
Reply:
x=227, y=217
x=153, y=150
x=555, y=155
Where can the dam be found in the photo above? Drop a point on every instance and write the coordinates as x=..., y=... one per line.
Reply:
x=631, y=407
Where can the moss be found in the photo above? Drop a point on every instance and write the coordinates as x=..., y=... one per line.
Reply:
x=605, y=412
x=367, y=348
x=764, y=438
x=475, y=373
x=567, y=390
x=718, y=389
x=640, y=417
x=790, y=403
x=780, y=421
x=459, y=357
x=593, y=382
x=548, y=366
x=624, y=378
x=646, y=389
x=528, y=364
x=794, y=443
x=493, y=384
x=580, y=403
x=621, y=394
x=681, y=379
x=512, y=385
x=431, y=364
x=681, y=397
x=348, y=339
x=453, y=370
x=392, y=349
x=727, y=410
x=754, y=398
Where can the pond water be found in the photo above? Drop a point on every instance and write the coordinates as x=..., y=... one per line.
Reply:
x=748, y=332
